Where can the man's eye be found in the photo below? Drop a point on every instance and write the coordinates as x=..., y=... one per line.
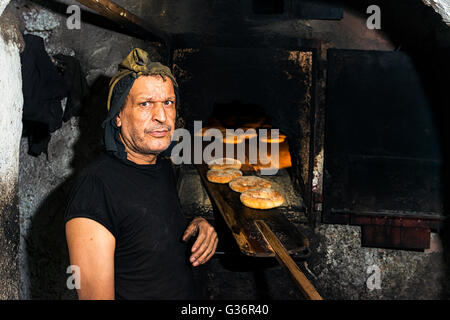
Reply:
x=144, y=104
x=168, y=102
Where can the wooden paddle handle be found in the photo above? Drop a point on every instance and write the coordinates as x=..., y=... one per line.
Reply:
x=285, y=259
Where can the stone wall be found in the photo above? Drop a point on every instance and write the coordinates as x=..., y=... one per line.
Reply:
x=442, y=7
x=10, y=132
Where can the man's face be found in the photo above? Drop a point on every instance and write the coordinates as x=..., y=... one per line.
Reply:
x=147, y=120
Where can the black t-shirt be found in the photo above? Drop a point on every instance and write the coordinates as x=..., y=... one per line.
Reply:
x=139, y=205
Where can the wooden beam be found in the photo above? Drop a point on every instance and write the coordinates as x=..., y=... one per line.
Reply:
x=285, y=259
x=125, y=18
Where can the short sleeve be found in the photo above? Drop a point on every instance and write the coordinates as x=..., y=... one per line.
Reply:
x=90, y=198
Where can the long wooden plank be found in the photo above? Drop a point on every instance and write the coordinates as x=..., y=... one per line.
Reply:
x=240, y=219
x=284, y=258
x=125, y=18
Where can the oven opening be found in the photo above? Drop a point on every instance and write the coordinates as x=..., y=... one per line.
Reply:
x=243, y=125
x=254, y=93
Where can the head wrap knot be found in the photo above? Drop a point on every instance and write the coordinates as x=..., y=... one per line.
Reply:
x=138, y=63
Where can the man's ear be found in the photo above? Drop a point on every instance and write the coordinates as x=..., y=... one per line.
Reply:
x=118, y=121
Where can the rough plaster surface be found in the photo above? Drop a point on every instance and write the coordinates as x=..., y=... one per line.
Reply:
x=442, y=7
x=40, y=22
x=43, y=255
x=10, y=132
x=12, y=101
x=3, y=4
x=340, y=270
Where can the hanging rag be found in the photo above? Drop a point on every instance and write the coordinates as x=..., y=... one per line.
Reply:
x=72, y=72
x=43, y=89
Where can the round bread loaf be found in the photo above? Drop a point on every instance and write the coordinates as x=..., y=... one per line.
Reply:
x=272, y=139
x=205, y=133
x=233, y=139
x=245, y=183
x=249, y=133
x=262, y=198
x=222, y=175
x=224, y=163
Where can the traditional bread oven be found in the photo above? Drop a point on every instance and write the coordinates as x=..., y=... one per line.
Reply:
x=256, y=90
x=253, y=88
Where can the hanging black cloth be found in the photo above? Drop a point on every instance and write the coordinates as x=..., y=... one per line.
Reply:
x=75, y=79
x=43, y=89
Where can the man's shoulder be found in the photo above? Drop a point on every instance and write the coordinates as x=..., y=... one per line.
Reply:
x=101, y=167
x=91, y=195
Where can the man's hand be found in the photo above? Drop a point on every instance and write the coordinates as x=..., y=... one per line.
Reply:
x=206, y=243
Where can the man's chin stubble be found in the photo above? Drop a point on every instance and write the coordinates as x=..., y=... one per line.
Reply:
x=149, y=151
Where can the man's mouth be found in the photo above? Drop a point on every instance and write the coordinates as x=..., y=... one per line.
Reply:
x=159, y=133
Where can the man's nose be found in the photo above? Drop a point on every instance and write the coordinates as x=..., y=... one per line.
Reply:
x=159, y=113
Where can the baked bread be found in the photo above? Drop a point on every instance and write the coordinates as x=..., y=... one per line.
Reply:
x=272, y=139
x=249, y=133
x=233, y=139
x=224, y=163
x=245, y=183
x=222, y=175
x=262, y=198
x=204, y=132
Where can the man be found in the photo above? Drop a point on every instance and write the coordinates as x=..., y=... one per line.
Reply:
x=124, y=226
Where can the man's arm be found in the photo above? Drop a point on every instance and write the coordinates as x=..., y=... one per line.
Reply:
x=91, y=247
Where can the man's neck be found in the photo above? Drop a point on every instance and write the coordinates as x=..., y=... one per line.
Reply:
x=139, y=158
